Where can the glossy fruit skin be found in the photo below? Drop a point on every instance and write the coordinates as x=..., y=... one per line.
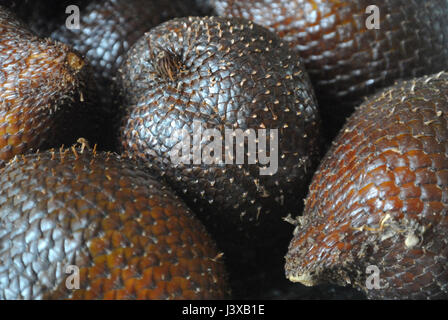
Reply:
x=235, y=75
x=156, y=105
x=40, y=81
x=130, y=237
x=345, y=60
x=111, y=27
x=108, y=29
x=380, y=197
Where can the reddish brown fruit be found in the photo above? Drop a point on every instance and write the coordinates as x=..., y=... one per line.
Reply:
x=130, y=237
x=39, y=80
x=380, y=197
x=345, y=60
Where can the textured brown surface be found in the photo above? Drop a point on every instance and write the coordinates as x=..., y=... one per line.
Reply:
x=344, y=59
x=380, y=197
x=130, y=237
x=107, y=30
x=233, y=74
x=39, y=80
x=229, y=81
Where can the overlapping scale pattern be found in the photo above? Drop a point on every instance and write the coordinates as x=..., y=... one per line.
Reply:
x=234, y=79
x=38, y=80
x=380, y=197
x=107, y=30
x=344, y=58
x=127, y=234
x=110, y=28
x=231, y=74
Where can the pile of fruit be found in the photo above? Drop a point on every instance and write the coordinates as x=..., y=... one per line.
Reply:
x=214, y=149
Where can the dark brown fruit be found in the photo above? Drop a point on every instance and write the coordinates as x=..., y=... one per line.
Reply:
x=107, y=30
x=344, y=59
x=380, y=197
x=225, y=74
x=39, y=82
x=130, y=237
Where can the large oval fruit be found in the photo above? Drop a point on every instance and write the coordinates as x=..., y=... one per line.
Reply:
x=345, y=59
x=379, y=201
x=103, y=215
x=39, y=82
x=224, y=74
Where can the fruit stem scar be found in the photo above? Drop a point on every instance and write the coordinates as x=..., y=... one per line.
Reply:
x=74, y=61
x=166, y=64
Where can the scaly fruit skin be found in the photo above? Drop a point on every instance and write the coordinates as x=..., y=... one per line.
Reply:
x=380, y=197
x=225, y=74
x=130, y=237
x=231, y=80
x=108, y=29
x=344, y=59
x=39, y=81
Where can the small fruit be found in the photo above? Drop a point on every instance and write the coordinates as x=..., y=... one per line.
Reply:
x=224, y=74
x=127, y=235
x=380, y=198
x=39, y=82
